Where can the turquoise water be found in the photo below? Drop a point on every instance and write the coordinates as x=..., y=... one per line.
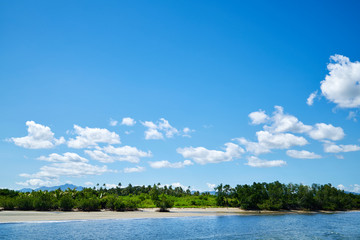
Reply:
x=293, y=226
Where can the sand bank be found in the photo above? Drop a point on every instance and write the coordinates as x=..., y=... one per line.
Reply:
x=29, y=216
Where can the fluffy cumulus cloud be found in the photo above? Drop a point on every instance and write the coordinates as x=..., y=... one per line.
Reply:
x=302, y=154
x=161, y=129
x=68, y=164
x=110, y=154
x=202, y=155
x=128, y=121
x=260, y=163
x=90, y=137
x=331, y=147
x=258, y=117
x=310, y=99
x=267, y=141
x=167, y=164
x=342, y=84
x=282, y=122
x=134, y=169
x=326, y=131
x=39, y=136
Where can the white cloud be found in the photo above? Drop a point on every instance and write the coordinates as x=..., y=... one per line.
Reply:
x=128, y=132
x=302, y=154
x=310, y=99
x=67, y=157
x=167, y=164
x=154, y=134
x=256, y=162
x=36, y=182
x=258, y=117
x=267, y=141
x=202, y=155
x=69, y=164
x=100, y=156
x=39, y=136
x=355, y=188
x=89, y=184
x=187, y=132
x=177, y=184
x=134, y=169
x=286, y=123
x=279, y=141
x=342, y=85
x=159, y=129
x=127, y=153
x=110, y=185
x=113, y=122
x=90, y=137
x=352, y=188
x=326, y=131
x=352, y=116
x=128, y=121
x=330, y=147
x=110, y=154
x=211, y=186
x=253, y=147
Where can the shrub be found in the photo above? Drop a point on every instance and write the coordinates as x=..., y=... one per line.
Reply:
x=164, y=203
x=24, y=203
x=67, y=203
x=89, y=204
x=119, y=205
x=7, y=203
x=42, y=202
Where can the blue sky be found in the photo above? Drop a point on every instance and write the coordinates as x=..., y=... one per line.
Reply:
x=185, y=93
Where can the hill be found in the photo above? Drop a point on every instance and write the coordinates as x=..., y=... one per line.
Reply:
x=62, y=187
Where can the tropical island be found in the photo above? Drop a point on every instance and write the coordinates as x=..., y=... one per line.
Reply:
x=273, y=196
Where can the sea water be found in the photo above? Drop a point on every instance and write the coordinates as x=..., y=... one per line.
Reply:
x=288, y=226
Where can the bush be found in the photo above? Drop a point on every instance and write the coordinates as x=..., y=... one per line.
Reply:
x=24, y=203
x=42, y=202
x=7, y=203
x=67, y=203
x=119, y=205
x=131, y=204
x=164, y=203
x=89, y=204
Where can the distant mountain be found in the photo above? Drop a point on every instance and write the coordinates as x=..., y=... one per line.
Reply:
x=352, y=192
x=62, y=187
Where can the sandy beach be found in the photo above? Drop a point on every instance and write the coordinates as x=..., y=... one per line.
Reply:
x=29, y=216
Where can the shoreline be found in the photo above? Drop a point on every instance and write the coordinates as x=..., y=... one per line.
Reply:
x=47, y=216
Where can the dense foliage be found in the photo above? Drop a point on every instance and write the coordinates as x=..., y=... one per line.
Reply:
x=118, y=199
x=277, y=196
x=258, y=196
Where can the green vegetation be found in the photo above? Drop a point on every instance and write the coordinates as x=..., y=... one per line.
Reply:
x=277, y=196
x=258, y=196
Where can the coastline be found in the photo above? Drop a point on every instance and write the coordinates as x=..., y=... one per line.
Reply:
x=38, y=216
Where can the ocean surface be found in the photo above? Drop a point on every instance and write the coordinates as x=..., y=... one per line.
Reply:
x=291, y=226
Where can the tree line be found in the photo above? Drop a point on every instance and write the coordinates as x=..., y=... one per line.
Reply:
x=118, y=198
x=277, y=196
x=258, y=196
